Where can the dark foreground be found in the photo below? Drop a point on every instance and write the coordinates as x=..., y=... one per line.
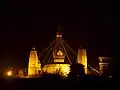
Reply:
x=57, y=83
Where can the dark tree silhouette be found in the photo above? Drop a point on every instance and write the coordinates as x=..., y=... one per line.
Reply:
x=106, y=73
x=77, y=69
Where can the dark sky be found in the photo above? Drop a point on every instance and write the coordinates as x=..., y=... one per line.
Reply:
x=28, y=22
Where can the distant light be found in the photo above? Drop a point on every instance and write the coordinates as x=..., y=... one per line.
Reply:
x=9, y=73
x=59, y=35
x=110, y=76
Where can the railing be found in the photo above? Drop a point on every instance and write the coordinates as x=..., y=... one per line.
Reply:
x=93, y=69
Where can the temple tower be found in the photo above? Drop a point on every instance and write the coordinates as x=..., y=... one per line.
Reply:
x=59, y=62
x=58, y=53
x=34, y=66
x=82, y=58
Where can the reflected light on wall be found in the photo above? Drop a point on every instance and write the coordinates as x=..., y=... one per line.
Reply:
x=9, y=73
x=52, y=68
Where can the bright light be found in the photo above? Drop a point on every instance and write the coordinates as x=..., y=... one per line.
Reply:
x=59, y=35
x=9, y=73
x=65, y=71
x=110, y=76
x=60, y=53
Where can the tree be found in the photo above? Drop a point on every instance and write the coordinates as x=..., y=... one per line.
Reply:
x=77, y=69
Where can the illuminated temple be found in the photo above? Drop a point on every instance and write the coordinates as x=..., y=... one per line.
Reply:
x=34, y=66
x=58, y=62
x=57, y=59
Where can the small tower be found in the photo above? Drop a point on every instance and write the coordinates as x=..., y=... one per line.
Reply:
x=34, y=66
x=82, y=58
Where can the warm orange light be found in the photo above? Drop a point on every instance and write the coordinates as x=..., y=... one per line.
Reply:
x=9, y=73
x=63, y=69
x=60, y=53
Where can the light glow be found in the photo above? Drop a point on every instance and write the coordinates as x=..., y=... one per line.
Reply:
x=34, y=65
x=52, y=68
x=9, y=73
x=60, y=53
x=59, y=35
x=59, y=60
x=110, y=76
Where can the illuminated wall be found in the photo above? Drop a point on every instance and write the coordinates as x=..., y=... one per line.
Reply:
x=82, y=58
x=34, y=65
x=62, y=69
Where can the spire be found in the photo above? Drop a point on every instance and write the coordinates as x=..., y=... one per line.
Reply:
x=80, y=47
x=59, y=28
x=59, y=32
x=33, y=48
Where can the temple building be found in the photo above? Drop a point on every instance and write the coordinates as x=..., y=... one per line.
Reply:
x=34, y=65
x=58, y=58
x=59, y=55
x=58, y=65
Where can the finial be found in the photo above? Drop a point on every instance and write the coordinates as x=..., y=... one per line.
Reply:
x=59, y=28
x=33, y=48
x=80, y=47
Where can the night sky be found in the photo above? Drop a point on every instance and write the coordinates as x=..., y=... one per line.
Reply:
x=28, y=22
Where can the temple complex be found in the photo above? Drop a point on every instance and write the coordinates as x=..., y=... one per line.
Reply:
x=58, y=59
